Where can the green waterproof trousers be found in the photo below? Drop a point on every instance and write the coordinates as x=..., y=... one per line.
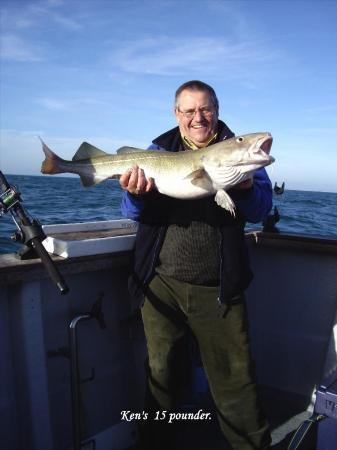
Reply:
x=171, y=309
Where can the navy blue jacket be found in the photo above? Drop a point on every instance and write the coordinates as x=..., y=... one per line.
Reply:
x=155, y=211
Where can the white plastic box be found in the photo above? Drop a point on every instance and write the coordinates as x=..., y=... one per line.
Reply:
x=90, y=238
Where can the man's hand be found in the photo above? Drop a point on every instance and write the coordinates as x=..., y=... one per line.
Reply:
x=135, y=182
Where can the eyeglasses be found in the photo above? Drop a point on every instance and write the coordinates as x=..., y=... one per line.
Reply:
x=190, y=113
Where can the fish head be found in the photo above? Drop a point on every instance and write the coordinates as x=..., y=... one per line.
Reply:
x=248, y=152
x=234, y=160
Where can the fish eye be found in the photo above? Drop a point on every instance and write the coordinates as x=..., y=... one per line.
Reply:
x=239, y=139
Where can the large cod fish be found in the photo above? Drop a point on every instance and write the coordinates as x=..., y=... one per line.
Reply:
x=185, y=175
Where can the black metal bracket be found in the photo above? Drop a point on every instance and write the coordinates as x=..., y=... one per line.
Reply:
x=95, y=313
x=271, y=221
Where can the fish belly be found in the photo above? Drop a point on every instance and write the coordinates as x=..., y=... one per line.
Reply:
x=184, y=189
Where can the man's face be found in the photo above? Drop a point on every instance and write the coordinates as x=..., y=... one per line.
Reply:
x=200, y=126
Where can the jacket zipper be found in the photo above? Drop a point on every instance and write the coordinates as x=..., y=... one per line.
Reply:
x=154, y=254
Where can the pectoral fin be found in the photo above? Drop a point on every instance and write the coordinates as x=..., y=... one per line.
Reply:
x=91, y=179
x=224, y=200
x=199, y=173
x=200, y=179
x=222, y=176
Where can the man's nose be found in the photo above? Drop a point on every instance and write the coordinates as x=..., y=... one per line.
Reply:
x=198, y=115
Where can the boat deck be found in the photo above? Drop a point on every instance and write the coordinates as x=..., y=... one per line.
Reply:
x=292, y=307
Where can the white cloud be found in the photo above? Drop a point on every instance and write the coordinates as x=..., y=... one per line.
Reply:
x=71, y=103
x=53, y=104
x=16, y=49
x=246, y=60
x=36, y=15
x=66, y=22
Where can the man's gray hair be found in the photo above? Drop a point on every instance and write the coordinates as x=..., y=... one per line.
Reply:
x=196, y=85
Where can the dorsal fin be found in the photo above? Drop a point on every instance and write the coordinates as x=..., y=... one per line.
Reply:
x=86, y=151
x=123, y=150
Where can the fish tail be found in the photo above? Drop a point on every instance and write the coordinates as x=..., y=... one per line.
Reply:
x=51, y=164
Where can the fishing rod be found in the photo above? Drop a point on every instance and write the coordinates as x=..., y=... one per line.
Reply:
x=29, y=231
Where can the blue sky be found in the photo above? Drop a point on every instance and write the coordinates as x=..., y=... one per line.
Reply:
x=106, y=72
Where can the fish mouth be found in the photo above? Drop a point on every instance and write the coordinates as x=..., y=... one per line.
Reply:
x=266, y=144
x=261, y=149
x=265, y=147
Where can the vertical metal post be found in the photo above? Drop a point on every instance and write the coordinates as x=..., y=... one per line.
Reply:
x=95, y=313
x=75, y=381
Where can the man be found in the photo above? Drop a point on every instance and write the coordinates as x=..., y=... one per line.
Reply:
x=191, y=270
